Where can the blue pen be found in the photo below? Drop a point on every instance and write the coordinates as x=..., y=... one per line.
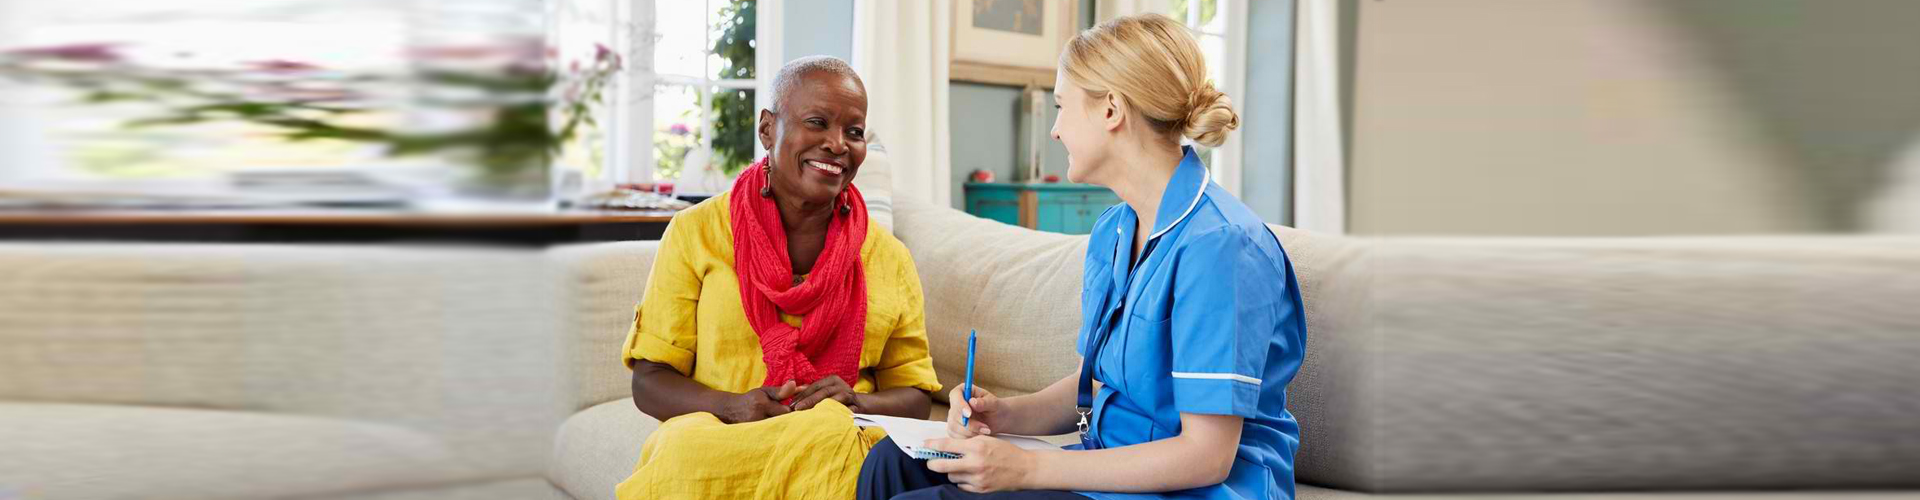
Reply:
x=966, y=391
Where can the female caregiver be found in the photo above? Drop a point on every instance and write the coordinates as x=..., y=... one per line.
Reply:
x=1191, y=318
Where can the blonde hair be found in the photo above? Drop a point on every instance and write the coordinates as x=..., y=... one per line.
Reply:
x=1153, y=64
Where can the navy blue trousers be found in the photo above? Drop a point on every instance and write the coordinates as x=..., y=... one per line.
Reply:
x=889, y=474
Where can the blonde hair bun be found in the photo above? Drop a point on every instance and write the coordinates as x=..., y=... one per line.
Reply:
x=1153, y=63
x=1209, y=117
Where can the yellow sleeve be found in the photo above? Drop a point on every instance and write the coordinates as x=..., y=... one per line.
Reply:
x=663, y=324
x=906, y=361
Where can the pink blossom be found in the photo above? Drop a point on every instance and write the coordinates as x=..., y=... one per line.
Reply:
x=455, y=52
x=282, y=66
x=324, y=96
x=679, y=129
x=601, y=52
x=79, y=52
x=527, y=68
x=528, y=49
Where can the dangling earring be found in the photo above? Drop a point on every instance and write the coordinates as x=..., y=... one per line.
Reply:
x=766, y=191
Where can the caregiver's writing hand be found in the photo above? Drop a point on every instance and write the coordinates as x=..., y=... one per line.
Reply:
x=828, y=387
x=987, y=464
x=755, y=405
x=983, y=413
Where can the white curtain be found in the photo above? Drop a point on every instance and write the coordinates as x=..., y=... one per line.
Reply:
x=901, y=51
x=1320, y=163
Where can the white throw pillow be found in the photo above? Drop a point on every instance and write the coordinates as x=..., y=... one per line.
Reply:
x=875, y=181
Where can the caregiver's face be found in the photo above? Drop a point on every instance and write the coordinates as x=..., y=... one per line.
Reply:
x=817, y=140
x=1079, y=127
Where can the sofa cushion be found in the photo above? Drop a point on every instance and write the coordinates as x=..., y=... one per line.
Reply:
x=875, y=180
x=1336, y=282
x=597, y=448
x=526, y=488
x=455, y=342
x=109, y=452
x=1608, y=364
x=603, y=282
x=1019, y=287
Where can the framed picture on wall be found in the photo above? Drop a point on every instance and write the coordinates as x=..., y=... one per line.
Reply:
x=1010, y=42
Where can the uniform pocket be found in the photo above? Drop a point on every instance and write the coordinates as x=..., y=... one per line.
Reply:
x=1147, y=362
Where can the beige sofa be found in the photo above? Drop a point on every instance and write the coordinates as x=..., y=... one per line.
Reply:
x=1695, y=368
x=1437, y=368
x=202, y=372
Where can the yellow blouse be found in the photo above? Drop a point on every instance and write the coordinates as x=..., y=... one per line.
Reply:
x=691, y=317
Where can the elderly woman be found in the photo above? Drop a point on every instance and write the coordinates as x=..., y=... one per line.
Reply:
x=776, y=310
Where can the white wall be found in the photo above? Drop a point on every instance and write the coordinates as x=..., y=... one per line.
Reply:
x=818, y=27
x=1555, y=117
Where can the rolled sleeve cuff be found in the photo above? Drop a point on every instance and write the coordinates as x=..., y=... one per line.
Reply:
x=651, y=348
x=1216, y=394
x=918, y=375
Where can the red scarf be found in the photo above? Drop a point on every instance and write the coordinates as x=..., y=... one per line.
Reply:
x=832, y=301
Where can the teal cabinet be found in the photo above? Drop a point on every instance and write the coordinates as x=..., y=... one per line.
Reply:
x=1059, y=208
x=999, y=202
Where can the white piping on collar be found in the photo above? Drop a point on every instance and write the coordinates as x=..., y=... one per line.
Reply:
x=1206, y=177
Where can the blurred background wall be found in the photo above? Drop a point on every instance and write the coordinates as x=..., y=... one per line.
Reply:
x=1635, y=117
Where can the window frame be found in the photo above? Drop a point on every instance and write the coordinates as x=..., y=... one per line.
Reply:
x=631, y=153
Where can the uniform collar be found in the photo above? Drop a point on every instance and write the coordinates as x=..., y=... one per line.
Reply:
x=1182, y=194
x=1177, y=202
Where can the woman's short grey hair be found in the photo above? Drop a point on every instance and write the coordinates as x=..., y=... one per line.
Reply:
x=791, y=74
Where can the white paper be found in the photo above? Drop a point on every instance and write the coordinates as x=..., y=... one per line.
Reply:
x=909, y=433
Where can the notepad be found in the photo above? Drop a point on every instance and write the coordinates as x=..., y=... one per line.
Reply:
x=909, y=433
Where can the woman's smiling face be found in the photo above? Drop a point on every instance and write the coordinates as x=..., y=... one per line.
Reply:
x=817, y=140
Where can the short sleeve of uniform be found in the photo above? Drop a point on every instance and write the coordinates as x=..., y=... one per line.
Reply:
x=663, y=323
x=1223, y=321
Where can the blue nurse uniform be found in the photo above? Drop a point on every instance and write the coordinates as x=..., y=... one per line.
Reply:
x=1207, y=321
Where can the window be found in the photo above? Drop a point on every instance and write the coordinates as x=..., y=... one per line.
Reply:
x=695, y=85
x=83, y=132
x=685, y=99
x=1220, y=27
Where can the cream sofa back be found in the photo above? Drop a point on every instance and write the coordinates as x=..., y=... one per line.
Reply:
x=1021, y=289
x=1490, y=364
x=1566, y=364
x=602, y=282
x=454, y=342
